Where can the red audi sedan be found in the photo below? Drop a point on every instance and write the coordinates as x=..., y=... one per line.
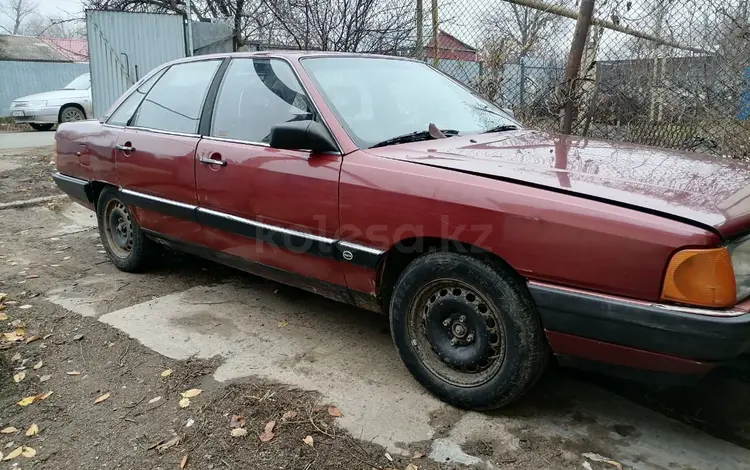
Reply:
x=383, y=183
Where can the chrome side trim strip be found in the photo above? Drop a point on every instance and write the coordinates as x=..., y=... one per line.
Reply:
x=158, y=199
x=358, y=247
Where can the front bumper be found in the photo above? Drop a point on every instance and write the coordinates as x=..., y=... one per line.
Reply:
x=36, y=115
x=640, y=335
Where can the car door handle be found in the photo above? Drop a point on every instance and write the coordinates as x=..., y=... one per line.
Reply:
x=213, y=161
x=124, y=148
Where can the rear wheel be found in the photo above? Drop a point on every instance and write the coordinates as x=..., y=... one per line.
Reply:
x=41, y=127
x=467, y=330
x=123, y=239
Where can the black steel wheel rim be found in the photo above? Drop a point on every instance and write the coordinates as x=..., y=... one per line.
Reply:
x=118, y=229
x=457, y=333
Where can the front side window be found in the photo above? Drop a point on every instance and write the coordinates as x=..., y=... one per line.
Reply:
x=125, y=111
x=175, y=102
x=379, y=99
x=256, y=95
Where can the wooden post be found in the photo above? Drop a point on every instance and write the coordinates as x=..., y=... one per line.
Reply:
x=435, y=34
x=574, y=64
x=420, y=30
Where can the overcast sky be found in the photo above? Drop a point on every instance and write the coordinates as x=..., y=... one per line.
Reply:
x=58, y=7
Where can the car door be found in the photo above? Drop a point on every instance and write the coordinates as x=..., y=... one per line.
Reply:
x=277, y=209
x=155, y=152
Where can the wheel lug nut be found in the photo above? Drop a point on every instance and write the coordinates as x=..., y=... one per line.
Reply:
x=470, y=337
x=454, y=341
x=446, y=322
x=462, y=318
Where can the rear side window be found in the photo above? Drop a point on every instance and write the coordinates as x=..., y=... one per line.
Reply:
x=123, y=113
x=257, y=94
x=174, y=104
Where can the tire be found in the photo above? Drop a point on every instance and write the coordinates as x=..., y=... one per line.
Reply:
x=41, y=127
x=123, y=240
x=499, y=350
x=71, y=113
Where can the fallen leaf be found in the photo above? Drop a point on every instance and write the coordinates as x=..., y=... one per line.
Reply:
x=17, y=324
x=16, y=357
x=19, y=377
x=185, y=402
x=283, y=323
x=600, y=458
x=267, y=433
x=8, y=430
x=9, y=445
x=38, y=365
x=45, y=378
x=411, y=466
x=44, y=396
x=66, y=258
x=46, y=337
x=27, y=401
x=308, y=440
x=333, y=411
x=239, y=432
x=102, y=398
x=289, y=415
x=154, y=400
x=20, y=332
x=166, y=373
x=388, y=456
x=73, y=372
x=12, y=337
x=417, y=455
x=190, y=422
x=237, y=421
x=32, y=431
x=586, y=466
x=15, y=453
x=3, y=296
x=193, y=392
x=170, y=443
x=33, y=338
x=32, y=276
x=183, y=462
x=3, y=315
x=25, y=307
x=78, y=337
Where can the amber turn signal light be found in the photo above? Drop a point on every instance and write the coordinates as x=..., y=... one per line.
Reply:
x=702, y=278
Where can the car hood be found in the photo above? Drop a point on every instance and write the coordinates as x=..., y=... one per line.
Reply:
x=55, y=95
x=706, y=191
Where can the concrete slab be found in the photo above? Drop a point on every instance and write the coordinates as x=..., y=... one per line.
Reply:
x=19, y=140
x=346, y=354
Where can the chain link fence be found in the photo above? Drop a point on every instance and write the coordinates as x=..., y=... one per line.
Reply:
x=669, y=73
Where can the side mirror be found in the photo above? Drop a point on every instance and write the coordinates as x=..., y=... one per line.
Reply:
x=302, y=135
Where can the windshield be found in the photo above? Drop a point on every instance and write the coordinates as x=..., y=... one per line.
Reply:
x=379, y=99
x=82, y=82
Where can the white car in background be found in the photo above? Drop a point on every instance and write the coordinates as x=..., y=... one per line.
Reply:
x=43, y=110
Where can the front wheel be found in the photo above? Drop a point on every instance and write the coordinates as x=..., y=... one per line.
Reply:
x=467, y=330
x=123, y=239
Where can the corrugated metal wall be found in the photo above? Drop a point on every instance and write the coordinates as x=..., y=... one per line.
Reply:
x=124, y=47
x=26, y=78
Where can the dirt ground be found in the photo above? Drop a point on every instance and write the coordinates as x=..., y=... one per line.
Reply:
x=113, y=405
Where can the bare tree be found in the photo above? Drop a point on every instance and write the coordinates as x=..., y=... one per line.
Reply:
x=383, y=26
x=16, y=11
x=54, y=27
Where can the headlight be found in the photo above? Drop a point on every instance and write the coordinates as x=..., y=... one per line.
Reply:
x=740, y=255
x=36, y=104
x=701, y=277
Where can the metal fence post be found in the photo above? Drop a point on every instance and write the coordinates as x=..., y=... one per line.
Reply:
x=574, y=64
x=435, y=34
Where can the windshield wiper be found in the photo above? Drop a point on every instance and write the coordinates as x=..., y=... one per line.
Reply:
x=503, y=128
x=416, y=136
